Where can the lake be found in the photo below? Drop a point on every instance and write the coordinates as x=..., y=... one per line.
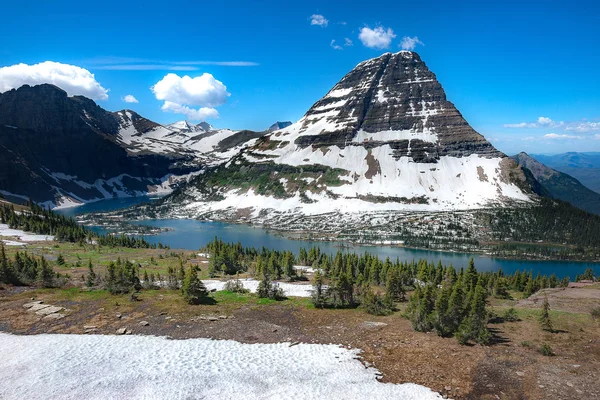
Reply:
x=192, y=234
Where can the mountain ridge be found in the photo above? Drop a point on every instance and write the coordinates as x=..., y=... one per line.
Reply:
x=65, y=150
x=561, y=186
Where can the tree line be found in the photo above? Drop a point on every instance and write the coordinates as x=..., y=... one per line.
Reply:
x=445, y=300
x=64, y=229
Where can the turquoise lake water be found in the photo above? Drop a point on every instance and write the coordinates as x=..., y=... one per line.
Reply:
x=192, y=234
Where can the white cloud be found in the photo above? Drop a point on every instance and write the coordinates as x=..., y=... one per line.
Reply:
x=348, y=42
x=192, y=114
x=583, y=127
x=72, y=79
x=544, y=121
x=130, y=99
x=145, y=64
x=181, y=92
x=597, y=136
x=521, y=125
x=560, y=136
x=146, y=67
x=529, y=139
x=318, y=19
x=203, y=90
x=409, y=43
x=378, y=38
x=335, y=46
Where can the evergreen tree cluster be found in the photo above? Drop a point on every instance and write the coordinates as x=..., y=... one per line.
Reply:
x=552, y=221
x=233, y=258
x=65, y=229
x=43, y=221
x=26, y=269
x=588, y=275
x=122, y=277
x=454, y=306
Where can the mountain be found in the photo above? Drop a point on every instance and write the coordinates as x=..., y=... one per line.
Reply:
x=278, y=125
x=384, y=138
x=185, y=126
x=584, y=167
x=61, y=150
x=561, y=186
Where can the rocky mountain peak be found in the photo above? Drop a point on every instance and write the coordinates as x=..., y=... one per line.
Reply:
x=187, y=127
x=393, y=99
x=384, y=138
x=279, y=125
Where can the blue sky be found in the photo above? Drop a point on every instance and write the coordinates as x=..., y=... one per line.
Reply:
x=523, y=73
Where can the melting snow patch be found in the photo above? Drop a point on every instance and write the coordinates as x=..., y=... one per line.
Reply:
x=26, y=237
x=289, y=289
x=148, y=367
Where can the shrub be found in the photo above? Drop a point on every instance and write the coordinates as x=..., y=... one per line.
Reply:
x=595, y=313
x=510, y=315
x=375, y=304
x=193, y=290
x=268, y=289
x=546, y=350
x=236, y=286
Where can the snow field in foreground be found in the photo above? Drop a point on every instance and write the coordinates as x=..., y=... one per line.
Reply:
x=26, y=237
x=289, y=289
x=149, y=367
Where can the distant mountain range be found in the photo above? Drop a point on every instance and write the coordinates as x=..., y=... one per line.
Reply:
x=585, y=167
x=561, y=186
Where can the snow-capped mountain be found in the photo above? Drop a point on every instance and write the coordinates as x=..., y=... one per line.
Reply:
x=279, y=125
x=62, y=150
x=385, y=138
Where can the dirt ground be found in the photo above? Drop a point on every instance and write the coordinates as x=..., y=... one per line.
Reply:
x=510, y=368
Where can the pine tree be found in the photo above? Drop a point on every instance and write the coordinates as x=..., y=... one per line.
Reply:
x=181, y=273
x=479, y=317
x=288, y=265
x=443, y=321
x=394, y=286
x=474, y=327
x=193, y=290
x=421, y=308
x=375, y=304
x=318, y=294
x=60, y=260
x=91, y=278
x=45, y=275
x=545, y=321
x=264, y=286
x=7, y=273
x=456, y=306
x=528, y=291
